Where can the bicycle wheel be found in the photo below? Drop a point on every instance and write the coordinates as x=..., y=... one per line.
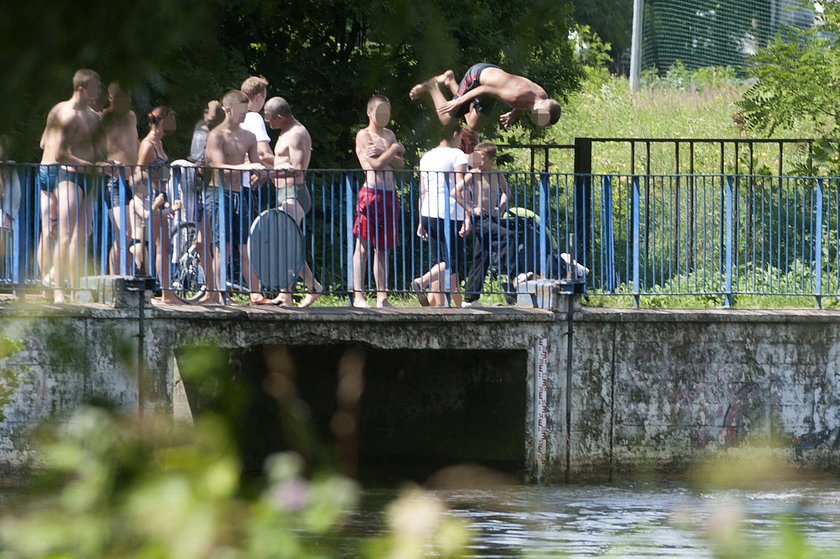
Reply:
x=182, y=238
x=276, y=250
x=189, y=284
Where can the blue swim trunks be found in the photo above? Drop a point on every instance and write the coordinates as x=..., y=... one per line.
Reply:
x=47, y=177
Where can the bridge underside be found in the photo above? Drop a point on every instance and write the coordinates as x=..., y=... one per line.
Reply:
x=384, y=415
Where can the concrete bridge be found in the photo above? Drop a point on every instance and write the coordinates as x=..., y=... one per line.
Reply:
x=549, y=395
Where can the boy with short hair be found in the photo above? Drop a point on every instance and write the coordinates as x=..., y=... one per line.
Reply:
x=378, y=206
x=490, y=198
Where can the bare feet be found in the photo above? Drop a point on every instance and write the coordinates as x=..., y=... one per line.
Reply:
x=312, y=296
x=447, y=79
x=418, y=90
x=258, y=299
x=58, y=296
x=283, y=300
x=383, y=304
x=360, y=303
x=211, y=298
x=420, y=291
x=168, y=298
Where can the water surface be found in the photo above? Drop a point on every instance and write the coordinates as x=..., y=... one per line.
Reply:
x=636, y=520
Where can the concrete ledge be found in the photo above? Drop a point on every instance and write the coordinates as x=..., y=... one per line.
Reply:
x=549, y=294
x=117, y=291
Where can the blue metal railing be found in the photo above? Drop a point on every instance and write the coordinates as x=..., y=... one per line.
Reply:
x=711, y=235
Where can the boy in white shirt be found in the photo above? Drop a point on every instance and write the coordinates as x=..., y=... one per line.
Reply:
x=444, y=222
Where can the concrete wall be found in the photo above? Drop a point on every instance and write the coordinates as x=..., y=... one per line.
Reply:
x=656, y=390
x=651, y=391
x=465, y=375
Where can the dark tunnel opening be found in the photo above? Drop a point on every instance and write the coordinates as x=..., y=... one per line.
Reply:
x=383, y=416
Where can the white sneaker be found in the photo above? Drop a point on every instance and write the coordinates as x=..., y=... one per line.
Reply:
x=523, y=277
x=467, y=304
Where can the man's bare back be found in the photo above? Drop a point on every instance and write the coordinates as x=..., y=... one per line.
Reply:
x=516, y=91
x=487, y=81
x=119, y=133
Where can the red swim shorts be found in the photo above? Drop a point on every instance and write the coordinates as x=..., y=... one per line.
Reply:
x=376, y=217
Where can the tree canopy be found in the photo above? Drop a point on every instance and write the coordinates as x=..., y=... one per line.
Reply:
x=326, y=57
x=797, y=76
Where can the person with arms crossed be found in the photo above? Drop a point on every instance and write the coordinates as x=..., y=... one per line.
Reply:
x=378, y=206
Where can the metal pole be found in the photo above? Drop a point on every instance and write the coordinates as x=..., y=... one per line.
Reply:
x=636, y=46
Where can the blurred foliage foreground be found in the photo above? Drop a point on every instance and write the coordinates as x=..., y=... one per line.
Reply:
x=132, y=486
x=123, y=487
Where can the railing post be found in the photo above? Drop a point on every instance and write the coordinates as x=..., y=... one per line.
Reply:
x=636, y=241
x=729, y=235
x=607, y=234
x=222, y=266
x=818, y=244
x=544, y=223
x=583, y=176
x=348, y=225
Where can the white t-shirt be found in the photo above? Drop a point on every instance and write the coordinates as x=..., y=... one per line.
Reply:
x=255, y=124
x=437, y=168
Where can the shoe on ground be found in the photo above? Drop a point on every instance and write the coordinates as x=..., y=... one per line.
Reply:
x=417, y=288
x=468, y=304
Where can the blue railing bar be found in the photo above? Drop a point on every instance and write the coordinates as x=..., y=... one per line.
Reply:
x=544, y=221
x=349, y=193
x=728, y=241
x=637, y=233
x=819, y=243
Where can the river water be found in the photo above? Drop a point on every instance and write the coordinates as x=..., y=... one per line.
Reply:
x=639, y=520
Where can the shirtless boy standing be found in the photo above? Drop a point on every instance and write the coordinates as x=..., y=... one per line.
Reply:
x=228, y=148
x=379, y=154
x=475, y=96
x=292, y=153
x=120, y=144
x=68, y=140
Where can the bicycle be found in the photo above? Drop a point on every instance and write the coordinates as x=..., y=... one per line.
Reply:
x=275, y=246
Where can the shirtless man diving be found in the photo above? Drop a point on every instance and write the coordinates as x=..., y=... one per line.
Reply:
x=229, y=148
x=474, y=97
x=68, y=140
x=291, y=159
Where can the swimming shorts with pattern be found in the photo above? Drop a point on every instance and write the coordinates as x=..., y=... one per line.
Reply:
x=376, y=217
x=471, y=80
